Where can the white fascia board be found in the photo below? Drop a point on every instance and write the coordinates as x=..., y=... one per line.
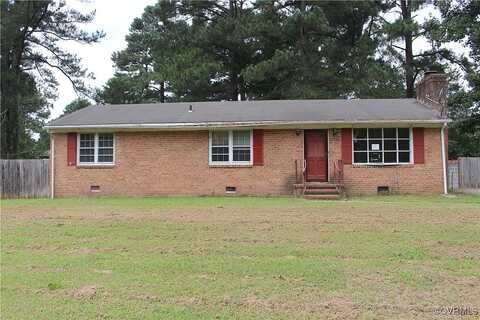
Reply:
x=248, y=124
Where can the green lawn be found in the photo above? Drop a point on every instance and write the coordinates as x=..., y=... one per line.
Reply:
x=239, y=258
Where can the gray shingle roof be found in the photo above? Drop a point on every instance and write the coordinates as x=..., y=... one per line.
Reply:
x=268, y=111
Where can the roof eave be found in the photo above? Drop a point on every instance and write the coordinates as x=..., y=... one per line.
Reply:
x=247, y=124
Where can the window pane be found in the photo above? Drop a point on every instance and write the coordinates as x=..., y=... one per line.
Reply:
x=241, y=154
x=360, y=145
x=385, y=145
x=360, y=157
x=87, y=136
x=241, y=145
x=105, y=136
x=87, y=152
x=105, y=151
x=390, y=144
x=360, y=133
x=220, y=157
x=403, y=133
x=104, y=145
x=220, y=153
x=375, y=157
x=219, y=150
x=105, y=140
x=87, y=158
x=404, y=157
x=403, y=144
x=390, y=133
x=241, y=138
x=374, y=133
x=220, y=138
x=105, y=159
x=390, y=157
x=375, y=145
x=87, y=140
x=87, y=143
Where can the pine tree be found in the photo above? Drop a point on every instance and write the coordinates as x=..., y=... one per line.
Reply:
x=30, y=52
x=460, y=24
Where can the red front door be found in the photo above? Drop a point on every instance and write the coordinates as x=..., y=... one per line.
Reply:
x=316, y=155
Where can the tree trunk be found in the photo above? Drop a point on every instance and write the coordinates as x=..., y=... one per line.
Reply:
x=408, y=38
x=162, y=91
x=243, y=94
x=3, y=108
x=234, y=86
x=9, y=100
x=302, y=6
x=9, y=119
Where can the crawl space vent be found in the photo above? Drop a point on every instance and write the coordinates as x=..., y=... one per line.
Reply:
x=383, y=190
x=94, y=188
x=230, y=189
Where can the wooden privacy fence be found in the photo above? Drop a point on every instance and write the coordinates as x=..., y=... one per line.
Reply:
x=24, y=178
x=465, y=174
x=469, y=172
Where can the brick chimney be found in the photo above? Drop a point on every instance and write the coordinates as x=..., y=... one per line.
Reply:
x=432, y=91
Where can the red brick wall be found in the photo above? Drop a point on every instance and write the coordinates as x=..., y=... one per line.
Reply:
x=176, y=163
x=424, y=178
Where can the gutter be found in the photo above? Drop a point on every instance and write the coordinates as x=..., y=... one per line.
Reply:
x=196, y=125
x=52, y=159
x=444, y=159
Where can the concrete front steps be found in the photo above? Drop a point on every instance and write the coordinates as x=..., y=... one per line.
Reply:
x=321, y=191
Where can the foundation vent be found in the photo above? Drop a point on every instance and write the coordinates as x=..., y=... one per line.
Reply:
x=230, y=189
x=383, y=190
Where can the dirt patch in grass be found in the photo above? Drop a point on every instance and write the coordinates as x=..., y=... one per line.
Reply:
x=258, y=218
x=90, y=292
x=359, y=259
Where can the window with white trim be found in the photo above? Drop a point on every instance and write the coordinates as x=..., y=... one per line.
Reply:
x=96, y=148
x=231, y=147
x=382, y=145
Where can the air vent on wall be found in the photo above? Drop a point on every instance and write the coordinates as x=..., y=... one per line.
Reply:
x=383, y=190
x=230, y=189
x=94, y=188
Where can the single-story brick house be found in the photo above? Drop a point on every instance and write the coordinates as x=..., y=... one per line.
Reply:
x=361, y=146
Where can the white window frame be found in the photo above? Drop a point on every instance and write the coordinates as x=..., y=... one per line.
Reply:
x=95, y=150
x=230, y=150
x=383, y=163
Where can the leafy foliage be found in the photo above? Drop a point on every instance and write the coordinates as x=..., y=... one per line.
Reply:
x=75, y=105
x=461, y=24
x=234, y=49
x=237, y=49
x=257, y=50
x=30, y=59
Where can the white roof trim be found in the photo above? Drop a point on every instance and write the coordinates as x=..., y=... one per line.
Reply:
x=197, y=125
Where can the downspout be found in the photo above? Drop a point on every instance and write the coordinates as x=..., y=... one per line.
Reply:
x=444, y=160
x=52, y=166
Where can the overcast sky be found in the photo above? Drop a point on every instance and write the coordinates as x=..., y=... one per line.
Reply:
x=114, y=18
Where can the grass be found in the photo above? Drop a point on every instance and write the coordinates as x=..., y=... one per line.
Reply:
x=239, y=258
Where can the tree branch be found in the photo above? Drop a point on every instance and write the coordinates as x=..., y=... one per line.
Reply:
x=52, y=52
x=428, y=54
x=398, y=47
x=75, y=87
x=60, y=37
